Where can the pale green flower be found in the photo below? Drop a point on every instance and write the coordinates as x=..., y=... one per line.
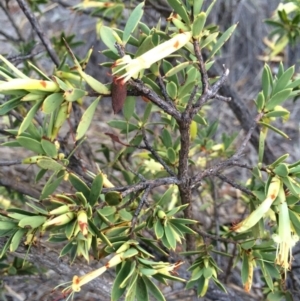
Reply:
x=273, y=191
x=135, y=66
x=284, y=239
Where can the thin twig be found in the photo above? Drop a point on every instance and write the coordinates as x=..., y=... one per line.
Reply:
x=244, y=165
x=153, y=97
x=12, y=21
x=222, y=98
x=156, y=155
x=232, y=160
x=8, y=37
x=24, y=188
x=143, y=185
x=164, y=91
x=215, y=238
x=210, y=93
x=22, y=57
x=127, y=167
x=36, y=26
x=191, y=99
x=201, y=64
x=239, y=152
x=216, y=218
x=140, y=207
x=235, y=185
x=131, y=200
x=9, y=163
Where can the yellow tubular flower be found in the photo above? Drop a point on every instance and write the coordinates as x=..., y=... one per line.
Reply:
x=284, y=239
x=262, y=209
x=134, y=66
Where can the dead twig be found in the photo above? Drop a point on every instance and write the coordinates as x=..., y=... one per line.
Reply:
x=36, y=26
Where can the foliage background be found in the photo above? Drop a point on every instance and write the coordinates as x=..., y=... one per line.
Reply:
x=239, y=55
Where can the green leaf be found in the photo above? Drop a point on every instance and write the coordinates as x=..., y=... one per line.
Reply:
x=276, y=296
x=133, y=21
x=113, y=198
x=129, y=107
x=49, y=148
x=131, y=292
x=129, y=275
x=197, y=5
x=199, y=119
x=276, y=130
x=5, y=247
x=125, y=215
x=266, y=81
x=260, y=101
x=181, y=227
x=282, y=170
x=147, y=112
x=81, y=199
x=79, y=185
x=50, y=186
x=170, y=236
x=49, y=164
x=177, y=69
x=40, y=175
x=171, y=90
x=165, y=199
x=123, y=125
x=261, y=145
x=37, y=209
x=282, y=113
x=67, y=248
x=59, y=119
x=118, y=291
x=32, y=221
x=180, y=9
x=153, y=289
x=245, y=268
x=29, y=117
x=74, y=94
x=10, y=105
x=294, y=84
x=52, y=102
x=141, y=290
x=207, y=41
x=158, y=229
x=166, y=138
x=30, y=144
x=221, y=41
x=16, y=239
x=295, y=220
x=173, y=211
x=208, y=272
x=278, y=98
x=171, y=155
x=108, y=37
x=96, y=189
x=292, y=185
x=198, y=25
x=86, y=119
x=212, y=129
x=69, y=228
x=283, y=80
x=210, y=7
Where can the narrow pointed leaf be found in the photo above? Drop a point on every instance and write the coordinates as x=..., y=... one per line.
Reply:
x=86, y=119
x=133, y=21
x=221, y=41
x=29, y=117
